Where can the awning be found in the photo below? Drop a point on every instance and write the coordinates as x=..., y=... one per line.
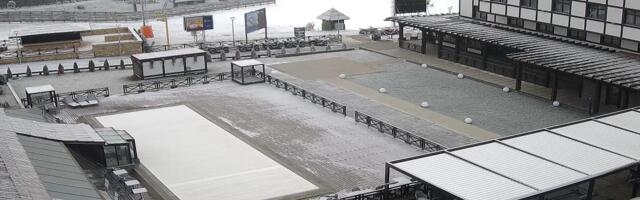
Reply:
x=533, y=163
x=575, y=57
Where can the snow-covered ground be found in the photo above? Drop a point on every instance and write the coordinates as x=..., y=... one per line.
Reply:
x=281, y=18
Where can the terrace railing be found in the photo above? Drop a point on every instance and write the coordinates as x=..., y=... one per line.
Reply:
x=173, y=83
x=99, y=92
x=298, y=91
x=398, y=133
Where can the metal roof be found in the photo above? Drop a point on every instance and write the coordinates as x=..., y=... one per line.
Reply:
x=47, y=29
x=18, y=178
x=532, y=163
x=168, y=54
x=58, y=132
x=333, y=15
x=548, y=51
x=60, y=174
x=247, y=63
x=39, y=89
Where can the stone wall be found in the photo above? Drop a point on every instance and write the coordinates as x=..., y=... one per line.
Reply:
x=114, y=48
x=121, y=37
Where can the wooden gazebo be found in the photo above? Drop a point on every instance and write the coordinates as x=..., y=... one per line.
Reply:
x=333, y=20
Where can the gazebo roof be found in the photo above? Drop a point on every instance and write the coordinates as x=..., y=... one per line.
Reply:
x=333, y=15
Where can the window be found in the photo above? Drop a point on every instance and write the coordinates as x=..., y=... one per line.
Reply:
x=545, y=28
x=562, y=6
x=499, y=1
x=517, y=22
x=577, y=34
x=596, y=11
x=483, y=15
x=611, y=40
x=473, y=44
x=449, y=38
x=529, y=3
x=632, y=17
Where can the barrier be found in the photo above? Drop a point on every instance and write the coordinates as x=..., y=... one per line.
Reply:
x=395, y=132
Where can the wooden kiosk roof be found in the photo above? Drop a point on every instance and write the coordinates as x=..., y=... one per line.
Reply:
x=580, y=58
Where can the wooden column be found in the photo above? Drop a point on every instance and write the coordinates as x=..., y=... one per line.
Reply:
x=518, y=76
x=597, y=97
x=554, y=85
x=423, y=48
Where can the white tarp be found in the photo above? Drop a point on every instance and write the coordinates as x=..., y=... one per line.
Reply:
x=198, y=160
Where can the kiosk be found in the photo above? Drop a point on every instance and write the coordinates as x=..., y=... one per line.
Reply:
x=169, y=63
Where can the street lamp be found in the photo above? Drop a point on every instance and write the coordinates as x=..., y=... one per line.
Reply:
x=233, y=31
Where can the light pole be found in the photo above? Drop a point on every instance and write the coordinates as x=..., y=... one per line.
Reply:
x=233, y=31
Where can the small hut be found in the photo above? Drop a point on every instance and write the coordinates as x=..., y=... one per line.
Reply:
x=333, y=20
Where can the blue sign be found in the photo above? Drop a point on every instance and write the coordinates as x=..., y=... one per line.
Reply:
x=208, y=22
x=255, y=20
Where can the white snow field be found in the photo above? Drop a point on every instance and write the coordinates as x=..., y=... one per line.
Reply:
x=196, y=159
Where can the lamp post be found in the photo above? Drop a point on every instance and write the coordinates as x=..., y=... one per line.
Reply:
x=233, y=31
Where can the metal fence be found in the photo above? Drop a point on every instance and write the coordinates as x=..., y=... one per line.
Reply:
x=400, y=192
x=44, y=16
x=99, y=92
x=398, y=133
x=173, y=83
x=313, y=98
x=56, y=70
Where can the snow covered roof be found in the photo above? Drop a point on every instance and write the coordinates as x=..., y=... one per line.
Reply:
x=247, y=63
x=47, y=29
x=529, y=164
x=39, y=89
x=333, y=15
x=168, y=54
x=57, y=132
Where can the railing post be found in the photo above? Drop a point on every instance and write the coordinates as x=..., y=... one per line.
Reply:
x=368, y=121
x=394, y=132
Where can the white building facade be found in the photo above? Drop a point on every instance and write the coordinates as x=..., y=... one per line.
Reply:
x=614, y=23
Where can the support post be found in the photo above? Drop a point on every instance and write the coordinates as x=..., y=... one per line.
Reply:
x=518, y=76
x=440, y=37
x=554, y=85
x=580, y=87
x=386, y=180
x=458, y=44
x=636, y=184
x=592, y=183
x=625, y=101
x=401, y=35
x=485, y=57
x=423, y=48
x=596, y=98
x=607, y=92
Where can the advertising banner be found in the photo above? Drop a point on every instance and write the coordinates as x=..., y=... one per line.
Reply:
x=299, y=32
x=255, y=20
x=198, y=23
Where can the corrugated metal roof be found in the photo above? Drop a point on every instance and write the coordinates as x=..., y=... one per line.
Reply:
x=60, y=132
x=168, y=54
x=627, y=120
x=18, y=179
x=568, y=152
x=526, y=168
x=604, y=136
x=463, y=179
x=542, y=160
x=59, y=172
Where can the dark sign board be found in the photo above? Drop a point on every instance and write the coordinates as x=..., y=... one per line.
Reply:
x=255, y=20
x=198, y=23
x=299, y=32
x=410, y=6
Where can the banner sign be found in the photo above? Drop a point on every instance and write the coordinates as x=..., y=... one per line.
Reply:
x=198, y=23
x=410, y=6
x=299, y=32
x=255, y=20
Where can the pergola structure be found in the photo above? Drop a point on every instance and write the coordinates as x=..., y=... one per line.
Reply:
x=534, y=165
x=244, y=72
x=41, y=95
x=539, y=58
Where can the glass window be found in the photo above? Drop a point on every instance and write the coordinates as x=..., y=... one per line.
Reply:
x=632, y=17
x=499, y=1
x=562, y=6
x=596, y=11
x=545, y=28
x=124, y=157
x=517, y=22
x=611, y=40
x=577, y=34
x=529, y=3
x=110, y=156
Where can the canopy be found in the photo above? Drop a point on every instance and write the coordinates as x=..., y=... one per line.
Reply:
x=533, y=163
x=333, y=15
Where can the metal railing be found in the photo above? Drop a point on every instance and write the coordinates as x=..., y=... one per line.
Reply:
x=67, y=16
x=400, y=192
x=141, y=87
x=99, y=92
x=297, y=91
x=398, y=133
